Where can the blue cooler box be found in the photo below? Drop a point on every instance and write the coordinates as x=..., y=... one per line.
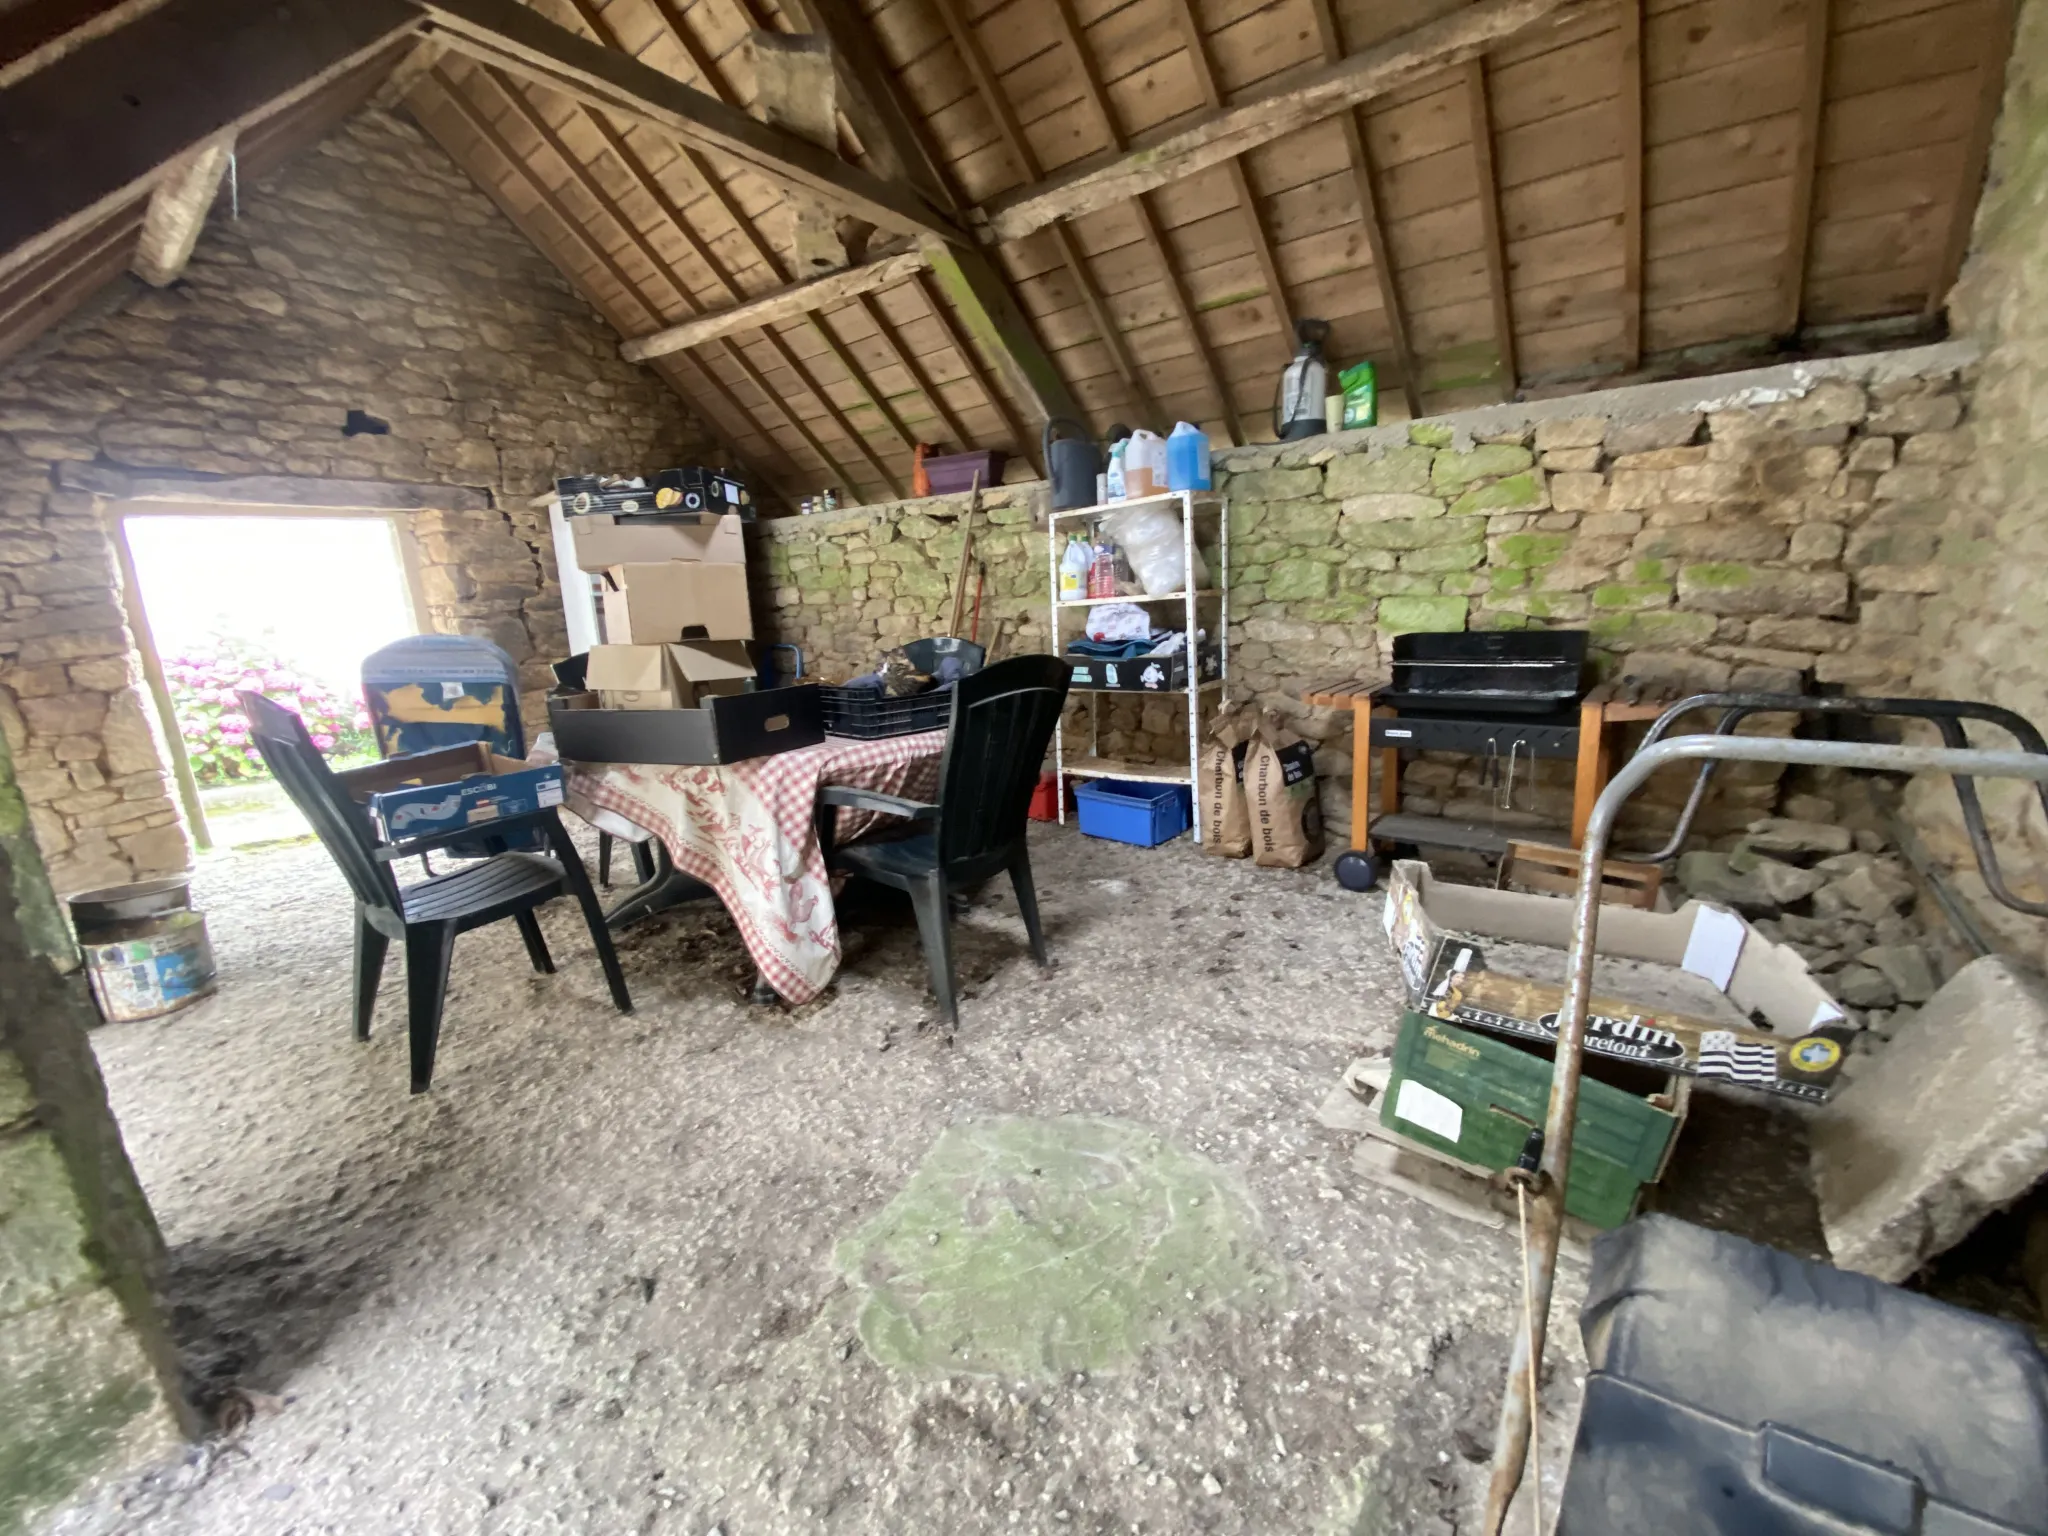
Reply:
x=1130, y=811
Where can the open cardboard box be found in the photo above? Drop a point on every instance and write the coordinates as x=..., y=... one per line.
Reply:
x=676, y=676
x=1447, y=976
x=603, y=540
x=676, y=600
x=725, y=724
x=465, y=786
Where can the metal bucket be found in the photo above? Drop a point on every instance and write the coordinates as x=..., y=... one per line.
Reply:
x=146, y=950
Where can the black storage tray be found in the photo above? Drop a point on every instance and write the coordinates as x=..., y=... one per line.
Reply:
x=866, y=714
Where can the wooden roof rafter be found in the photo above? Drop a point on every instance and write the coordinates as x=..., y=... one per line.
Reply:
x=990, y=91
x=573, y=227
x=714, y=187
x=1148, y=224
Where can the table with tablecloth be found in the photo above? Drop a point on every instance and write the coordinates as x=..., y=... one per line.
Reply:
x=748, y=830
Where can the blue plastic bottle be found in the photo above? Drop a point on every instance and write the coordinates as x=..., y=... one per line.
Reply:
x=1187, y=458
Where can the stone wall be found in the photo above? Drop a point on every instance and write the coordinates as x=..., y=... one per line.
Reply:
x=369, y=275
x=1984, y=632
x=87, y=1373
x=1769, y=529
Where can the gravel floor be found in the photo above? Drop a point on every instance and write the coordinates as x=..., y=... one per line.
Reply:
x=588, y=1283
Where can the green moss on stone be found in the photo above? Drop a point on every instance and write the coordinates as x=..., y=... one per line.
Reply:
x=1488, y=461
x=1664, y=629
x=1429, y=434
x=1444, y=557
x=1276, y=484
x=1621, y=594
x=1293, y=580
x=1347, y=609
x=1529, y=550
x=1510, y=579
x=1406, y=615
x=1719, y=574
x=1515, y=493
x=1407, y=535
x=1652, y=570
x=1397, y=470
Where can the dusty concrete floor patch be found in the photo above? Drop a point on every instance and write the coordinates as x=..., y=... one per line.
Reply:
x=588, y=1284
x=1024, y=1247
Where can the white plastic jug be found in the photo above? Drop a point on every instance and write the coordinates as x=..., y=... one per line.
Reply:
x=1145, y=464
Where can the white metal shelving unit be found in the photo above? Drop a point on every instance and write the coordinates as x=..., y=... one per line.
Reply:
x=1191, y=505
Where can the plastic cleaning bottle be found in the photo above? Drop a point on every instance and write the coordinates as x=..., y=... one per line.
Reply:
x=1117, y=450
x=1187, y=458
x=1074, y=563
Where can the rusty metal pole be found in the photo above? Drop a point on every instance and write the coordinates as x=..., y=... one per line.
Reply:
x=1546, y=1220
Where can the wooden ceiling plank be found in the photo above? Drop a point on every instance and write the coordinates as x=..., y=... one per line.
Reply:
x=892, y=337
x=1975, y=157
x=963, y=346
x=194, y=69
x=1630, y=102
x=527, y=43
x=991, y=93
x=1489, y=225
x=885, y=130
x=487, y=132
x=1240, y=181
x=1364, y=186
x=1148, y=223
x=1805, y=171
x=1271, y=110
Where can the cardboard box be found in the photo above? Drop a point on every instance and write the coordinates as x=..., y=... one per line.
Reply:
x=466, y=786
x=1800, y=1056
x=603, y=541
x=1143, y=674
x=676, y=600
x=724, y=728
x=678, y=676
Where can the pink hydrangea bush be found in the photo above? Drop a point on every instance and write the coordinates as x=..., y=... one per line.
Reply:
x=203, y=682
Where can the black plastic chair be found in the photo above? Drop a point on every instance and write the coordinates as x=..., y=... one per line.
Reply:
x=1003, y=718
x=427, y=916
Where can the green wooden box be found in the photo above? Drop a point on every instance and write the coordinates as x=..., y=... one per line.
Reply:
x=1475, y=1097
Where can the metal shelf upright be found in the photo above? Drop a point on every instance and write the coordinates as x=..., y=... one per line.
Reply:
x=1191, y=504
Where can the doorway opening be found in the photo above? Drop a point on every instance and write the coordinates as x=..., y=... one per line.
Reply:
x=288, y=603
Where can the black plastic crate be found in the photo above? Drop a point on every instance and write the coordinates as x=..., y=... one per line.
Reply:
x=865, y=713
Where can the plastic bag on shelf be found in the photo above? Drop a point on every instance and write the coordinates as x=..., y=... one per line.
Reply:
x=1151, y=540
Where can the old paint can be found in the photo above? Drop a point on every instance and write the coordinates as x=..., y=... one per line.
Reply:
x=146, y=950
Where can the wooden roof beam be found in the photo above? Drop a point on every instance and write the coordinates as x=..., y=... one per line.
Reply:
x=1632, y=190
x=1358, y=152
x=783, y=304
x=1148, y=223
x=1805, y=168
x=1489, y=225
x=990, y=89
x=1241, y=183
x=963, y=345
x=525, y=43
x=192, y=70
x=1272, y=111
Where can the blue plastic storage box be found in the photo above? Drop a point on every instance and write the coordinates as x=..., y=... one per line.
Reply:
x=1127, y=811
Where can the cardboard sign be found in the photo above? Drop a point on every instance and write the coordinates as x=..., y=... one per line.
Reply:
x=676, y=600
x=1448, y=978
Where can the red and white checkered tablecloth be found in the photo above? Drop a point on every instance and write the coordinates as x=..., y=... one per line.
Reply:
x=748, y=831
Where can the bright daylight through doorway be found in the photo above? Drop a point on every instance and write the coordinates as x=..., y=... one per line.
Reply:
x=295, y=602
